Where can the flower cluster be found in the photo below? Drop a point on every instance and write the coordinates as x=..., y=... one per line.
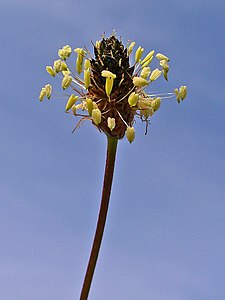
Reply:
x=110, y=92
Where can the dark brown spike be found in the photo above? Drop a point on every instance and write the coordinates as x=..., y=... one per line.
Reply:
x=112, y=56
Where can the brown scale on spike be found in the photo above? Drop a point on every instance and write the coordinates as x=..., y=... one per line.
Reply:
x=111, y=56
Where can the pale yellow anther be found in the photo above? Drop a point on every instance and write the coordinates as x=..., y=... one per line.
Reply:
x=61, y=54
x=147, y=63
x=66, y=82
x=109, y=81
x=45, y=92
x=130, y=48
x=96, y=116
x=87, y=79
x=48, y=89
x=107, y=73
x=71, y=101
x=144, y=103
x=147, y=112
x=139, y=81
x=161, y=56
x=42, y=94
x=109, y=85
x=176, y=92
x=80, y=51
x=138, y=54
x=163, y=63
x=80, y=57
x=155, y=74
x=68, y=49
x=64, y=66
x=87, y=64
x=90, y=106
x=165, y=67
x=78, y=65
x=133, y=99
x=130, y=134
x=148, y=58
x=111, y=122
x=65, y=52
x=155, y=104
x=183, y=92
x=145, y=72
x=66, y=72
x=57, y=65
x=50, y=71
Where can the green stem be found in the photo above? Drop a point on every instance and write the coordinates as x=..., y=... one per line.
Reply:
x=108, y=178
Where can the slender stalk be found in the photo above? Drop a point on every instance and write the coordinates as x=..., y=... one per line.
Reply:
x=107, y=184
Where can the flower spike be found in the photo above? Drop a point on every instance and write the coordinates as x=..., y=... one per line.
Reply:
x=112, y=92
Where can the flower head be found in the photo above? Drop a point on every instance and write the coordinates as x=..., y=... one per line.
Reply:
x=111, y=92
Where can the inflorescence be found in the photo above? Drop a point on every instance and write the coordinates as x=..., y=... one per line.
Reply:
x=110, y=92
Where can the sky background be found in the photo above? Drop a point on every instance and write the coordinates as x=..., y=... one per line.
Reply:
x=165, y=234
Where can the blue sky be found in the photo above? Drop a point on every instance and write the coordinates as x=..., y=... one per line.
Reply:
x=165, y=231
